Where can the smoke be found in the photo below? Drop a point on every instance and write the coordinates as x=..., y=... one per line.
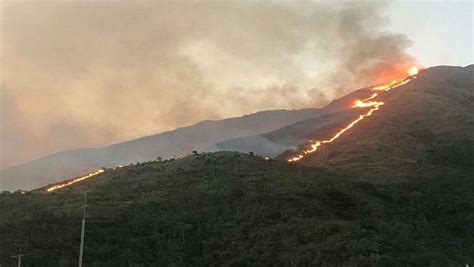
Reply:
x=79, y=73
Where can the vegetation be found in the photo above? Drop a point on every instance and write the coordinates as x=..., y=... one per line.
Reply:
x=238, y=209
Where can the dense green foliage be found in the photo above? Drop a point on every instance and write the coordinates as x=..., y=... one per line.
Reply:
x=237, y=209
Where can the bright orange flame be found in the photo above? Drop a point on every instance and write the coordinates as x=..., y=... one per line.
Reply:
x=78, y=179
x=361, y=104
x=413, y=71
x=374, y=95
x=385, y=87
x=59, y=186
x=364, y=103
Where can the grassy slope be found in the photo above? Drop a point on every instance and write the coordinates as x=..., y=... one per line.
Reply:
x=231, y=208
x=431, y=113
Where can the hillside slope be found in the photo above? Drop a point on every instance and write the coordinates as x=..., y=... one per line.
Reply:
x=235, y=209
x=421, y=122
x=176, y=143
x=275, y=142
x=278, y=141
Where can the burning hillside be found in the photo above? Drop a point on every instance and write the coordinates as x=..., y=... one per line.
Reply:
x=388, y=140
x=75, y=180
x=364, y=103
x=418, y=121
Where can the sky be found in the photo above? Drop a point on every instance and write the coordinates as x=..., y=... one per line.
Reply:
x=91, y=73
x=441, y=31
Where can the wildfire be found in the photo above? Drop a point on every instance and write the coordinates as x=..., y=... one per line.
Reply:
x=413, y=71
x=59, y=186
x=361, y=104
x=385, y=87
x=364, y=103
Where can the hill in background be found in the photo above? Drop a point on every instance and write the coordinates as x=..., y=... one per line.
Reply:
x=176, y=143
x=431, y=113
x=275, y=142
x=202, y=136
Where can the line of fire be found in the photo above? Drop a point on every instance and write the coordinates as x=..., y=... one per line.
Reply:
x=369, y=102
x=57, y=186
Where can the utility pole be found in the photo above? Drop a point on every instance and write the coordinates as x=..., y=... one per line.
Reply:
x=81, y=251
x=19, y=257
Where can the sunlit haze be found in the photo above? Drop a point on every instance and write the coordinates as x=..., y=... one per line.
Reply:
x=81, y=73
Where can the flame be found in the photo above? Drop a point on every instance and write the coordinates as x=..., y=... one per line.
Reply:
x=361, y=104
x=413, y=71
x=385, y=87
x=364, y=103
x=89, y=175
x=78, y=179
x=374, y=95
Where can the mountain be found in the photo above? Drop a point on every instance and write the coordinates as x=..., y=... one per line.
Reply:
x=394, y=190
x=421, y=122
x=228, y=208
x=275, y=142
x=176, y=143
x=431, y=113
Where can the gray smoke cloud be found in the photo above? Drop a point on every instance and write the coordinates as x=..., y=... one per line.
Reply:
x=80, y=73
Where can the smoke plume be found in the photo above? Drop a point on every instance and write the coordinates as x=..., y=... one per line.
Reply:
x=80, y=73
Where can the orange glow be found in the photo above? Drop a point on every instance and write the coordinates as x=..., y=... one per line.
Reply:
x=59, y=186
x=413, y=71
x=78, y=179
x=361, y=104
x=364, y=103
x=385, y=87
x=374, y=95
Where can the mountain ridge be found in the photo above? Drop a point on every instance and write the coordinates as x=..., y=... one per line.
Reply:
x=169, y=144
x=274, y=138
x=418, y=118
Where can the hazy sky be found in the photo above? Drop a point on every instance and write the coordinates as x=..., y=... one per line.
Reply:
x=441, y=31
x=89, y=73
